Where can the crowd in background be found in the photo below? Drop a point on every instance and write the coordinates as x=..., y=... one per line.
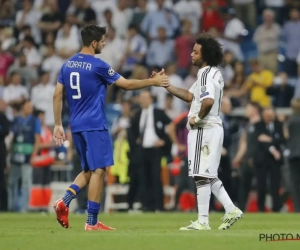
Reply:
x=261, y=69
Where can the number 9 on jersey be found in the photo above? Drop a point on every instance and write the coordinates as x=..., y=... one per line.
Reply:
x=75, y=84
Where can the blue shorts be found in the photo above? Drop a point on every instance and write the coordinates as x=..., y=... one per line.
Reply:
x=94, y=148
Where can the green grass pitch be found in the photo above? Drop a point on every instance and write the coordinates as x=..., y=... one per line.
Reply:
x=144, y=232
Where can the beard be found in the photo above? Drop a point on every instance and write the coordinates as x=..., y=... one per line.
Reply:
x=198, y=63
x=97, y=51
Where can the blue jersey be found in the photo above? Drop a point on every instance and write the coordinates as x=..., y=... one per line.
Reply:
x=85, y=79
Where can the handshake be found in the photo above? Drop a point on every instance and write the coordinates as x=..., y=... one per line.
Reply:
x=160, y=79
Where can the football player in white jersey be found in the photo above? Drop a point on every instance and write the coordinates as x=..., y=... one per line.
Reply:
x=205, y=138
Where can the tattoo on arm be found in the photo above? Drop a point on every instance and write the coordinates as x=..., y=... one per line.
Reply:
x=182, y=94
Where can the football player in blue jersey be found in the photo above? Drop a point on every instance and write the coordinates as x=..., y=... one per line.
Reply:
x=85, y=79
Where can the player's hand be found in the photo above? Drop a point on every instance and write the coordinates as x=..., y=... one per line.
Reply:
x=162, y=72
x=59, y=135
x=161, y=80
x=264, y=138
x=224, y=152
x=192, y=121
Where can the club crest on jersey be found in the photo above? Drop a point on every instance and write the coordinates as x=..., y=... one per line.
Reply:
x=203, y=89
x=111, y=72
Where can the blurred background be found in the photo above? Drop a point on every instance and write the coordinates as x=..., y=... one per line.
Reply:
x=260, y=164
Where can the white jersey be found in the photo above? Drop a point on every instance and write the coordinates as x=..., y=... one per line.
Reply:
x=209, y=84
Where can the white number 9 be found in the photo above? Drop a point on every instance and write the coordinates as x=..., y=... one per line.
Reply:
x=75, y=85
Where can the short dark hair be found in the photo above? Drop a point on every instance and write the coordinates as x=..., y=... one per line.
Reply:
x=211, y=50
x=37, y=112
x=256, y=105
x=92, y=33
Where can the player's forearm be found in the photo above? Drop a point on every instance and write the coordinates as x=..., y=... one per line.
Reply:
x=205, y=108
x=182, y=94
x=133, y=84
x=57, y=108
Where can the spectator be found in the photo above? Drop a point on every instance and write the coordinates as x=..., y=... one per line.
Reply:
x=282, y=91
x=233, y=33
x=191, y=78
x=51, y=20
x=246, y=153
x=108, y=19
x=29, y=16
x=41, y=96
x=82, y=12
x=278, y=6
x=227, y=67
x=122, y=122
x=245, y=11
x=294, y=156
x=135, y=50
x=41, y=176
x=183, y=47
x=28, y=74
x=268, y=159
x=139, y=13
x=114, y=49
x=169, y=108
x=179, y=131
x=266, y=37
x=190, y=10
x=28, y=47
x=14, y=93
x=101, y=7
x=52, y=63
x=5, y=61
x=6, y=14
x=148, y=128
x=160, y=51
x=164, y=18
x=211, y=14
x=7, y=38
x=257, y=83
x=122, y=17
x=66, y=45
x=236, y=83
x=291, y=35
x=26, y=130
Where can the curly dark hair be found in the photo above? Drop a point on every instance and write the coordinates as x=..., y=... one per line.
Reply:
x=211, y=50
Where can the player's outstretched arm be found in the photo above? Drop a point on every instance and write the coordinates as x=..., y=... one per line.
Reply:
x=132, y=84
x=182, y=94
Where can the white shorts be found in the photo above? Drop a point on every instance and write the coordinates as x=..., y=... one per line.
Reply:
x=204, y=151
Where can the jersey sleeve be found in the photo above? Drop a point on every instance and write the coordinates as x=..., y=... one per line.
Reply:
x=106, y=72
x=207, y=90
x=60, y=78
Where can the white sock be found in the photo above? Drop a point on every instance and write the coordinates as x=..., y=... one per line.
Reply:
x=203, y=197
x=219, y=191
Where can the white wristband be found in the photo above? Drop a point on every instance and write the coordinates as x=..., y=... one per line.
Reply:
x=197, y=119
